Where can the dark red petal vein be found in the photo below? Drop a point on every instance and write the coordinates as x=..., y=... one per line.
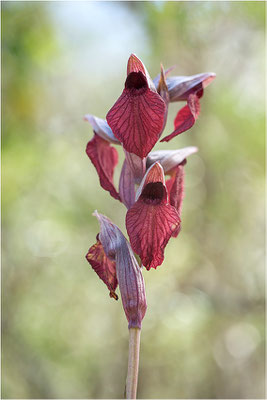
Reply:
x=136, y=119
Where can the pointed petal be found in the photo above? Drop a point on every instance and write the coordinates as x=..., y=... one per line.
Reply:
x=101, y=128
x=150, y=226
x=137, y=165
x=162, y=86
x=185, y=118
x=127, y=185
x=180, y=87
x=154, y=174
x=137, y=117
x=157, y=79
x=136, y=65
x=129, y=274
x=104, y=267
x=105, y=158
x=164, y=93
x=170, y=159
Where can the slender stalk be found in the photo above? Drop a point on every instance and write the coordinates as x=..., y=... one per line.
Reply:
x=133, y=363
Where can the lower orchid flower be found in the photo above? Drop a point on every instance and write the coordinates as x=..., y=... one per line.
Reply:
x=151, y=221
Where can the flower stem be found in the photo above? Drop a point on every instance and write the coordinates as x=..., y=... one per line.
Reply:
x=133, y=363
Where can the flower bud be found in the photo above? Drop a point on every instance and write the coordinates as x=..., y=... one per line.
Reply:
x=129, y=274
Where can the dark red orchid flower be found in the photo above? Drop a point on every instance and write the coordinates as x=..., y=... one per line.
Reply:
x=172, y=162
x=137, y=117
x=151, y=221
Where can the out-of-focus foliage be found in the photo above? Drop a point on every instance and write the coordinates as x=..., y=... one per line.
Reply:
x=203, y=334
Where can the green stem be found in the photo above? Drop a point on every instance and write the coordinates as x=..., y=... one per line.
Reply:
x=133, y=363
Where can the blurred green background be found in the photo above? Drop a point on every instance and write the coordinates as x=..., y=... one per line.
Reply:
x=62, y=336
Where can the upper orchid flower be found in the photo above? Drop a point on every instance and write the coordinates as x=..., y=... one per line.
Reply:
x=137, y=117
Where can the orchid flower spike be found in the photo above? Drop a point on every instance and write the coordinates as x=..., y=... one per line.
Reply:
x=151, y=186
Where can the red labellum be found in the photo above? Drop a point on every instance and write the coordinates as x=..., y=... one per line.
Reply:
x=105, y=158
x=104, y=267
x=137, y=117
x=186, y=117
x=150, y=225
